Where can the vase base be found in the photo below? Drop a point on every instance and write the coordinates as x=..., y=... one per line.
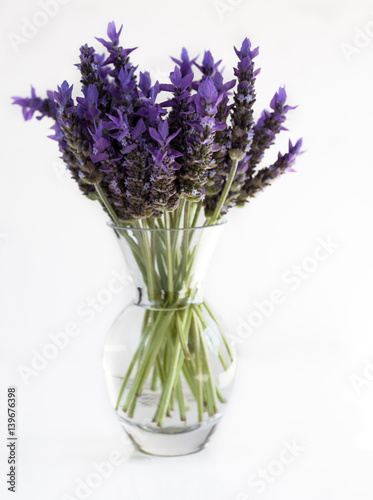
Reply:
x=171, y=442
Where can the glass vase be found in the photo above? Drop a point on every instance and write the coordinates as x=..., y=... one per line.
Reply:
x=168, y=366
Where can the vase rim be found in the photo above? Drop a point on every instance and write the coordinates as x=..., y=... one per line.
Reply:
x=157, y=229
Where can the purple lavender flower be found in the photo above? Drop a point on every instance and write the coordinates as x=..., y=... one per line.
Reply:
x=145, y=83
x=265, y=131
x=123, y=88
x=184, y=63
x=283, y=164
x=182, y=109
x=198, y=157
x=147, y=108
x=216, y=176
x=74, y=140
x=122, y=146
x=134, y=162
x=88, y=105
x=268, y=126
x=100, y=145
x=92, y=69
x=242, y=116
x=209, y=66
x=163, y=188
x=113, y=34
x=239, y=136
x=30, y=105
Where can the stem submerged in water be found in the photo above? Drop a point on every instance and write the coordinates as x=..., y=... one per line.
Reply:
x=173, y=353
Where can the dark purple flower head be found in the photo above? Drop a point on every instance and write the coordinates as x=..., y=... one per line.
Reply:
x=91, y=68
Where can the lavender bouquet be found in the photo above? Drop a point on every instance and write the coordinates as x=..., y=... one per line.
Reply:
x=163, y=157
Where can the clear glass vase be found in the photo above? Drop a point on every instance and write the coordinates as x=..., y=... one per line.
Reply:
x=168, y=366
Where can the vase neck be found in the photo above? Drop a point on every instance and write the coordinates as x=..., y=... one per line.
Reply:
x=168, y=267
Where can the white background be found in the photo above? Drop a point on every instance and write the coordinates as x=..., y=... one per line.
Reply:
x=295, y=371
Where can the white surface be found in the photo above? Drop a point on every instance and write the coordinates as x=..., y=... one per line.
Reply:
x=294, y=379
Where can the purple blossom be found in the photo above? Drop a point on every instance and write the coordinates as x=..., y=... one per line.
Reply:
x=87, y=107
x=269, y=125
x=100, y=144
x=198, y=158
x=148, y=109
x=283, y=164
x=207, y=91
x=113, y=34
x=30, y=105
x=163, y=187
x=92, y=70
x=145, y=83
x=185, y=63
x=240, y=134
x=147, y=155
x=208, y=67
x=245, y=51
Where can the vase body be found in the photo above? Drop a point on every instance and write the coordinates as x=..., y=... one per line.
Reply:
x=168, y=365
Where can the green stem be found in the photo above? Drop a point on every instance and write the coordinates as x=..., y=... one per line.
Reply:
x=199, y=381
x=155, y=341
x=172, y=376
x=180, y=400
x=224, y=194
x=169, y=260
x=143, y=237
x=137, y=354
x=182, y=331
x=196, y=214
x=154, y=383
x=207, y=372
x=225, y=340
x=107, y=204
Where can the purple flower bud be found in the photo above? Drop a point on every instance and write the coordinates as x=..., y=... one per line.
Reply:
x=278, y=99
x=207, y=91
x=145, y=83
x=112, y=32
x=185, y=63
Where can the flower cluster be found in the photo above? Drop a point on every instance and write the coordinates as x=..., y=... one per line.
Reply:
x=141, y=156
